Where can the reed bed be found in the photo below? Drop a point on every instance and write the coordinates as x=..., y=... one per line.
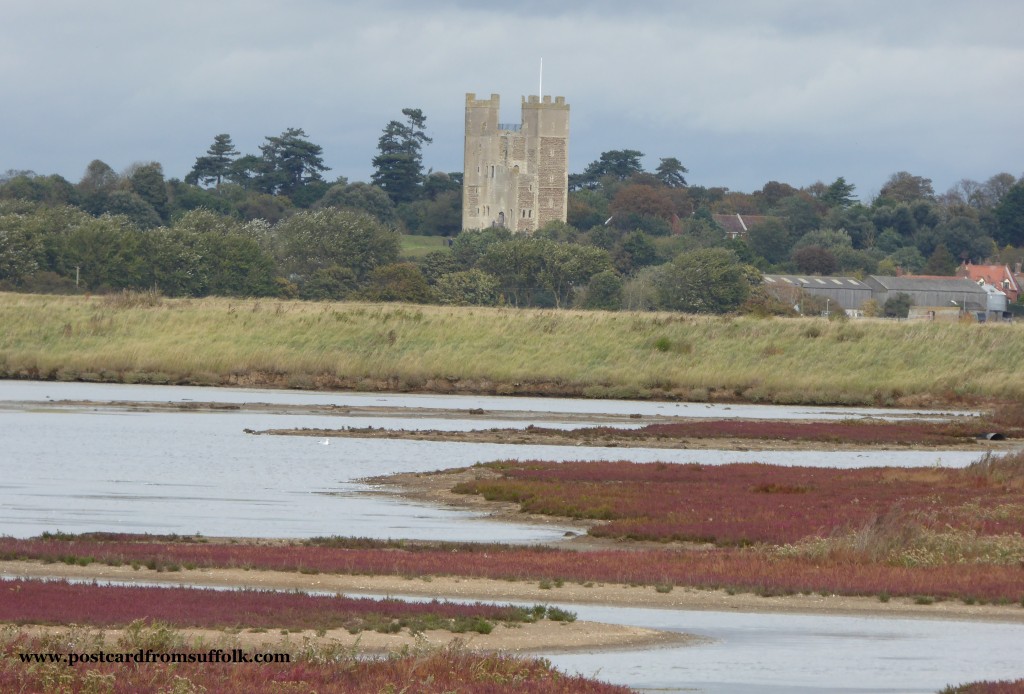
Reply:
x=217, y=341
x=311, y=668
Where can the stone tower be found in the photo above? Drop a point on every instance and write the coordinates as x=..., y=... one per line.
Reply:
x=515, y=175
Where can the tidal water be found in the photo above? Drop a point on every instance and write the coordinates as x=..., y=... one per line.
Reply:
x=88, y=467
x=43, y=391
x=743, y=652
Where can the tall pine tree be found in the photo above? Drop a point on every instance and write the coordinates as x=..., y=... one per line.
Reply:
x=290, y=162
x=398, y=166
x=216, y=165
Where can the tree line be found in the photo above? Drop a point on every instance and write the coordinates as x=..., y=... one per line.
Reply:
x=271, y=224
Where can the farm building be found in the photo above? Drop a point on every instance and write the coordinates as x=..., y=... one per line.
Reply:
x=846, y=292
x=938, y=292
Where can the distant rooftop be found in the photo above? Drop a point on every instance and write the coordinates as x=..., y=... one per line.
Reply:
x=811, y=281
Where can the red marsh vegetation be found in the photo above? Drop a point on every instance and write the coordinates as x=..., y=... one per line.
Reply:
x=880, y=531
x=749, y=503
x=60, y=602
x=316, y=670
x=766, y=572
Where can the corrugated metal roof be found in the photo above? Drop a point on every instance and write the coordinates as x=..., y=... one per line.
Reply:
x=927, y=284
x=844, y=282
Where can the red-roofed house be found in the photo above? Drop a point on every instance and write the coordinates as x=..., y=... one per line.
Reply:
x=999, y=276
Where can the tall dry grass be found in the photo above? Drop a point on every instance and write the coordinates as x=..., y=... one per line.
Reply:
x=901, y=540
x=503, y=350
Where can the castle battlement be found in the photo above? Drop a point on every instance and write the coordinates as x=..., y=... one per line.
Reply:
x=473, y=102
x=545, y=101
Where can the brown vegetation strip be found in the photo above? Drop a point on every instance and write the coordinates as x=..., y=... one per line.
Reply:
x=1002, y=687
x=698, y=433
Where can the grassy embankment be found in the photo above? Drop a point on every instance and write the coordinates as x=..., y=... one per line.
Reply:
x=218, y=341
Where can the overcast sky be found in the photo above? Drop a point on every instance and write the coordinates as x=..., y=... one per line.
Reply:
x=742, y=92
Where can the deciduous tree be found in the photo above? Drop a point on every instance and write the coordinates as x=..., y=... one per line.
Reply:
x=1010, y=215
x=98, y=182
x=904, y=186
x=771, y=240
x=310, y=240
x=397, y=282
x=604, y=291
x=467, y=288
x=707, y=280
x=941, y=262
x=815, y=260
x=360, y=196
x=147, y=181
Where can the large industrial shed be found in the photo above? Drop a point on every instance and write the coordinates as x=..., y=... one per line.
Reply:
x=848, y=292
x=931, y=292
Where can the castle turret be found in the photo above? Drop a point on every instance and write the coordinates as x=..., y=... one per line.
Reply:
x=515, y=175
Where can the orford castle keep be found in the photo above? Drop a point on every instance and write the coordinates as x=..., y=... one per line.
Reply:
x=515, y=175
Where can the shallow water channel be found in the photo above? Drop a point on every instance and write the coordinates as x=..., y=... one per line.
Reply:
x=91, y=466
x=95, y=466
